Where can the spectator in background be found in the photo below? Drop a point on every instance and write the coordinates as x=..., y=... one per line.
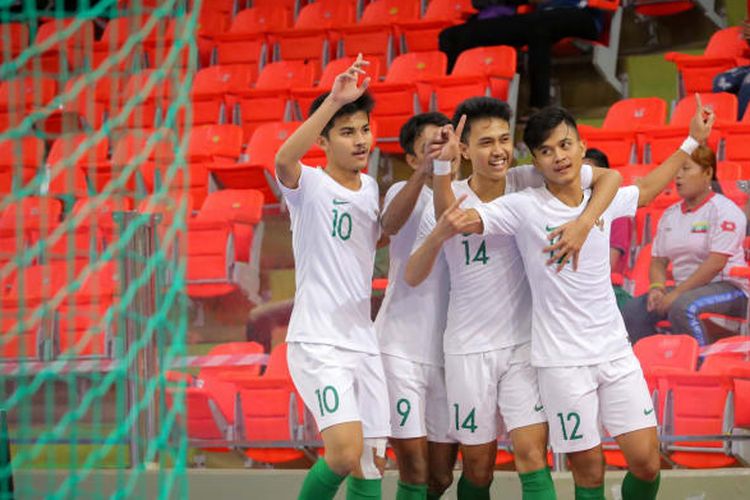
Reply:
x=498, y=24
x=737, y=80
x=621, y=233
x=702, y=238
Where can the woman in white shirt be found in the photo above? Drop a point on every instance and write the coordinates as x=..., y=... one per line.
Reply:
x=702, y=237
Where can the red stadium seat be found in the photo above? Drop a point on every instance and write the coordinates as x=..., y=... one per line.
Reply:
x=422, y=35
x=14, y=39
x=71, y=51
x=22, y=96
x=68, y=163
x=479, y=71
x=210, y=88
x=742, y=402
x=375, y=34
x=20, y=161
x=400, y=96
x=695, y=73
x=144, y=152
x=312, y=39
x=661, y=142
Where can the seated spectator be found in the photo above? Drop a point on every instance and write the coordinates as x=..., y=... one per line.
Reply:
x=620, y=236
x=702, y=238
x=550, y=21
x=736, y=80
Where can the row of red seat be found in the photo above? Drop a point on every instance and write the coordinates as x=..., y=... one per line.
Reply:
x=635, y=130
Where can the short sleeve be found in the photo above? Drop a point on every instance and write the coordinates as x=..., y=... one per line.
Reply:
x=391, y=194
x=502, y=216
x=587, y=176
x=426, y=225
x=657, y=247
x=727, y=230
x=522, y=177
x=625, y=202
x=294, y=197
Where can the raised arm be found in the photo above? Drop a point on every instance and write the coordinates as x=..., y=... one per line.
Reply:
x=658, y=179
x=402, y=205
x=452, y=222
x=344, y=91
x=572, y=235
x=450, y=151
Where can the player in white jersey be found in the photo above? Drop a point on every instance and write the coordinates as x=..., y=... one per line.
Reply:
x=587, y=370
x=333, y=352
x=487, y=337
x=410, y=326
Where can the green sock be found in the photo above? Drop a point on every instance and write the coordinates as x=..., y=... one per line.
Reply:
x=320, y=483
x=408, y=491
x=469, y=491
x=596, y=493
x=538, y=485
x=357, y=488
x=638, y=489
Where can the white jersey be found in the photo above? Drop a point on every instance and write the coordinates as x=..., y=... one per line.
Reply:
x=575, y=320
x=411, y=320
x=687, y=236
x=334, y=234
x=490, y=300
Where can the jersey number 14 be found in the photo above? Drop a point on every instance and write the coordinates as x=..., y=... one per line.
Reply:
x=479, y=256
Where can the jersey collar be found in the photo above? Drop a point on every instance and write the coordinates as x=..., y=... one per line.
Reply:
x=686, y=210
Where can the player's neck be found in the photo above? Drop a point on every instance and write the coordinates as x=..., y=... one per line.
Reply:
x=485, y=188
x=696, y=201
x=570, y=193
x=349, y=178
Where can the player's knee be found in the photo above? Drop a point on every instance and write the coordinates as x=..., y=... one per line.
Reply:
x=530, y=458
x=479, y=476
x=344, y=460
x=587, y=468
x=645, y=467
x=413, y=467
x=439, y=481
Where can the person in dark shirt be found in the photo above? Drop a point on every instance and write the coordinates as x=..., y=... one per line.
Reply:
x=497, y=23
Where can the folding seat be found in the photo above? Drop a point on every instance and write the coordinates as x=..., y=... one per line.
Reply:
x=375, y=34
x=69, y=161
x=695, y=73
x=246, y=42
x=480, y=71
x=115, y=36
x=270, y=99
x=422, y=35
x=39, y=284
x=217, y=237
x=271, y=410
x=162, y=49
x=93, y=101
x=71, y=49
x=149, y=107
x=734, y=142
x=742, y=402
x=661, y=142
x=646, y=224
x=38, y=218
x=21, y=97
x=727, y=171
x=401, y=95
x=303, y=97
x=20, y=334
x=618, y=136
x=144, y=152
x=210, y=89
x=699, y=405
x=14, y=39
x=20, y=160
x=738, y=324
x=313, y=37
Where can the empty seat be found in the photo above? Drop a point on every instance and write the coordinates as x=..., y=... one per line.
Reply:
x=422, y=35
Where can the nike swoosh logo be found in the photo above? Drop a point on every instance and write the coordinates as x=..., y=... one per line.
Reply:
x=340, y=202
x=550, y=228
x=538, y=407
x=648, y=412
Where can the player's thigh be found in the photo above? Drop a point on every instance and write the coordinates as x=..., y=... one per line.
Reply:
x=372, y=396
x=519, y=400
x=530, y=447
x=624, y=399
x=472, y=398
x=406, y=397
x=569, y=396
x=324, y=377
x=437, y=417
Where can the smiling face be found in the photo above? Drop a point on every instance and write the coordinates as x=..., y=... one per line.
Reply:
x=489, y=147
x=560, y=157
x=347, y=145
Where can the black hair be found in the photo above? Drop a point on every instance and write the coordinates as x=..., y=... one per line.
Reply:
x=597, y=157
x=416, y=124
x=541, y=124
x=476, y=108
x=364, y=103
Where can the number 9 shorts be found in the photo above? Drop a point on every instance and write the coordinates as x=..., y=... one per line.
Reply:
x=339, y=385
x=577, y=398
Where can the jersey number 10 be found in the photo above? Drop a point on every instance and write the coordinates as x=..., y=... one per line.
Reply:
x=342, y=225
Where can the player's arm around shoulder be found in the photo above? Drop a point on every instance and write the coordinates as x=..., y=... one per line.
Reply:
x=345, y=90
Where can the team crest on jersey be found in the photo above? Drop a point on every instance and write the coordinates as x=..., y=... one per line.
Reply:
x=700, y=227
x=728, y=225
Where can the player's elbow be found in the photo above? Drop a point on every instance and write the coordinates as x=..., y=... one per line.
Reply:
x=412, y=276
